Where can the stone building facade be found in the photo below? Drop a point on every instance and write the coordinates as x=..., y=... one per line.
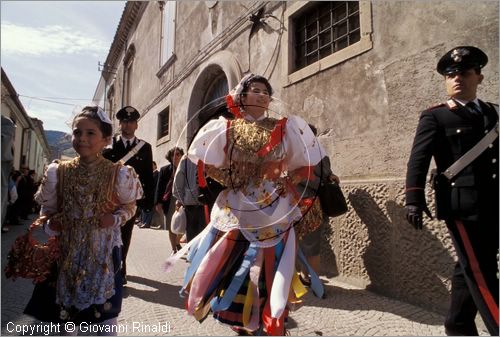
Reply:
x=30, y=144
x=172, y=60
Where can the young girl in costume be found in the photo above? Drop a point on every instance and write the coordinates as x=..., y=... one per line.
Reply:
x=86, y=200
x=243, y=264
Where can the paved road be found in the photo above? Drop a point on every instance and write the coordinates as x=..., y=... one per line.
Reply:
x=152, y=305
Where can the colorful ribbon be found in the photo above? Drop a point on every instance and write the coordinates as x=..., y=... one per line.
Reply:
x=221, y=304
x=316, y=284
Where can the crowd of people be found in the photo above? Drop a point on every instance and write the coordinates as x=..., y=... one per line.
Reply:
x=22, y=186
x=253, y=245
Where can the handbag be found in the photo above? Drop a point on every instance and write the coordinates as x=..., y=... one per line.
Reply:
x=178, y=222
x=332, y=199
x=31, y=259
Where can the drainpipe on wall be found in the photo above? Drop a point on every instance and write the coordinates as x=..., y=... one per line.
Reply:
x=123, y=78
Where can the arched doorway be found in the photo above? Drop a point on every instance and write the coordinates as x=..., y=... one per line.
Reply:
x=208, y=94
x=214, y=102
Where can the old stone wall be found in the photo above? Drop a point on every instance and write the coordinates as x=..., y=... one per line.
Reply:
x=373, y=246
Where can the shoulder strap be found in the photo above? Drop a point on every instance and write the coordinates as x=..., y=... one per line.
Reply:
x=472, y=154
x=133, y=152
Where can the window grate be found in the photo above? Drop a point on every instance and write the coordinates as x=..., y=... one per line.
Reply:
x=164, y=123
x=324, y=29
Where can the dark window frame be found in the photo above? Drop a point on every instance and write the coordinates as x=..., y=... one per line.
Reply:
x=323, y=29
x=163, y=123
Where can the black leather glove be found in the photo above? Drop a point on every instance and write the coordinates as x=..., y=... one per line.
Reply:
x=414, y=214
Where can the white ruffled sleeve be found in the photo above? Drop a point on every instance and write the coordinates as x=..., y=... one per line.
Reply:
x=208, y=145
x=128, y=188
x=302, y=147
x=46, y=195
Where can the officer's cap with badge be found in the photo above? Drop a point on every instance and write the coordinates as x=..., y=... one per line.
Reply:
x=460, y=59
x=128, y=113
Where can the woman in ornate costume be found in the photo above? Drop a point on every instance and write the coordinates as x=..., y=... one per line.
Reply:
x=243, y=263
x=86, y=200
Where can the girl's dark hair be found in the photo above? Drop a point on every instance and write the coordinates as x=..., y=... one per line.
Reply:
x=170, y=153
x=260, y=79
x=91, y=113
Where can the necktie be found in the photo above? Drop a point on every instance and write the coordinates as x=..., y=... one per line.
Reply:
x=473, y=108
x=128, y=146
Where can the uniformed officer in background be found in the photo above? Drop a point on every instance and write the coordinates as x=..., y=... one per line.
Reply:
x=142, y=162
x=469, y=201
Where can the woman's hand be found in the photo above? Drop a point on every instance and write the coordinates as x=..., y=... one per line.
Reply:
x=177, y=205
x=334, y=178
x=107, y=220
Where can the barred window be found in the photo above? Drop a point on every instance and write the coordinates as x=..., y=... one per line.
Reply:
x=324, y=29
x=320, y=35
x=164, y=123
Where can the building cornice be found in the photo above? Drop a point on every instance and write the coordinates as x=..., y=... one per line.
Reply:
x=131, y=15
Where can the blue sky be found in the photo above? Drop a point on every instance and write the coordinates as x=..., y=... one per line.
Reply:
x=51, y=49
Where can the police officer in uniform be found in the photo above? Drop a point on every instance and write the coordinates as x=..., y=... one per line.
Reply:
x=469, y=201
x=142, y=162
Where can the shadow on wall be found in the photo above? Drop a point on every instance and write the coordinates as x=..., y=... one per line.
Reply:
x=401, y=262
x=329, y=266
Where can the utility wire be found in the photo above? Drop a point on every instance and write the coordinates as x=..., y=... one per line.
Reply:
x=66, y=98
x=46, y=100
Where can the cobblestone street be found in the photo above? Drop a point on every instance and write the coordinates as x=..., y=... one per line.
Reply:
x=152, y=302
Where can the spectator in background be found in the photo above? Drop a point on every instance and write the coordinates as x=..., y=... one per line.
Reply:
x=310, y=243
x=147, y=215
x=163, y=197
x=11, y=216
x=24, y=189
x=34, y=188
x=186, y=193
x=157, y=218
x=8, y=132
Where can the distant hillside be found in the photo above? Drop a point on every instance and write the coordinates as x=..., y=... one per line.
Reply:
x=59, y=143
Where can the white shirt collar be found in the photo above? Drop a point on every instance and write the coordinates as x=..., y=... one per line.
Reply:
x=252, y=119
x=463, y=102
x=131, y=140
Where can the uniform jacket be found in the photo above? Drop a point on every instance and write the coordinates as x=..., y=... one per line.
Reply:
x=446, y=132
x=142, y=163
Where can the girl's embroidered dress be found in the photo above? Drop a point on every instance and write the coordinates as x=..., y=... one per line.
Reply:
x=243, y=263
x=88, y=284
